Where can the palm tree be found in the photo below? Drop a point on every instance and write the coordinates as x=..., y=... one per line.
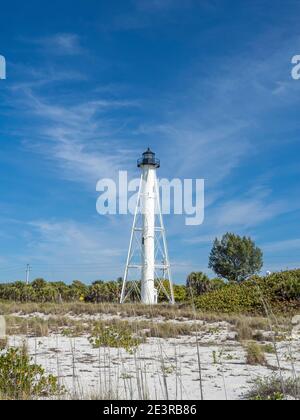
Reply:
x=198, y=283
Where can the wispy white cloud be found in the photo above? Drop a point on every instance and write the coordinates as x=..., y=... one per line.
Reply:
x=70, y=249
x=38, y=78
x=219, y=127
x=68, y=237
x=252, y=208
x=79, y=136
x=207, y=130
x=248, y=213
x=60, y=44
x=242, y=215
x=284, y=245
x=203, y=239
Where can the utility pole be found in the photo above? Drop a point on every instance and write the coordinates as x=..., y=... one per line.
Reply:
x=28, y=269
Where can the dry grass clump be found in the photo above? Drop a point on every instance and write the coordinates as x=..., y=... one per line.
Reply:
x=171, y=330
x=161, y=321
x=168, y=312
x=3, y=343
x=80, y=308
x=35, y=326
x=255, y=354
x=152, y=329
x=253, y=328
x=38, y=327
x=244, y=330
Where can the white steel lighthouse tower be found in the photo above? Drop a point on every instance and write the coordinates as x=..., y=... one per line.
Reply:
x=148, y=254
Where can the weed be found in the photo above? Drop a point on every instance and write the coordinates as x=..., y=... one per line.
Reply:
x=244, y=330
x=20, y=379
x=268, y=348
x=3, y=343
x=114, y=337
x=270, y=388
x=255, y=355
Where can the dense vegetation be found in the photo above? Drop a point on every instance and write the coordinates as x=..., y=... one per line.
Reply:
x=237, y=289
x=278, y=291
x=41, y=291
x=98, y=292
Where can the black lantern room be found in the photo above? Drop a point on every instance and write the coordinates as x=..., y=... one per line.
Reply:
x=148, y=159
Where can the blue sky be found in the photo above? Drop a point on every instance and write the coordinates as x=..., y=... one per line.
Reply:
x=91, y=84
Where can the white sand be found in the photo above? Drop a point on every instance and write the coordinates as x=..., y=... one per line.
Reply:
x=162, y=368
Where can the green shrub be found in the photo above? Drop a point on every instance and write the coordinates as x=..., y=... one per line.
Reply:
x=180, y=293
x=283, y=286
x=281, y=291
x=268, y=348
x=271, y=389
x=19, y=379
x=217, y=284
x=115, y=336
x=233, y=298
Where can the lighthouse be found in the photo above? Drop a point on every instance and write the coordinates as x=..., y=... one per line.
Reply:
x=148, y=251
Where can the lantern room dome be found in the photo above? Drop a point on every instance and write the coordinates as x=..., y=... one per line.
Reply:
x=148, y=159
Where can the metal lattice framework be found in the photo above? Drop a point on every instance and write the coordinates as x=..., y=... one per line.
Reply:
x=131, y=287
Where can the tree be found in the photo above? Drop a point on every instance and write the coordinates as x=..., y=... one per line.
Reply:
x=197, y=284
x=95, y=292
x=78, y=291
x=235, y=258
x=39, y=284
